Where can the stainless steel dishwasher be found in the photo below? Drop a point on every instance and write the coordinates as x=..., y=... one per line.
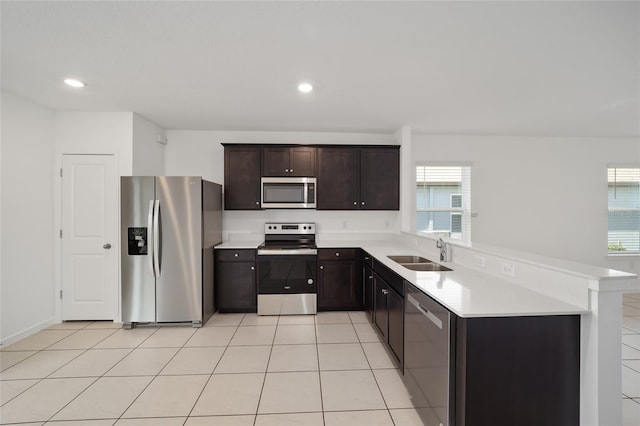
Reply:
x=427, y=357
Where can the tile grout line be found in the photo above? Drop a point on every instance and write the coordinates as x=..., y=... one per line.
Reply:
x=315, y=333
x=373, y=374
x=102, y=375
x=264, y=380
x=213, y=371
x=152, y=376
x=41, y=379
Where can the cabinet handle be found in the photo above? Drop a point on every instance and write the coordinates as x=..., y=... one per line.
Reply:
x=287, y=287
x=235, y=254
x=291, y=171
x=363, y=203
x=257, y=203
x=385, y=291
x=321, y=267
x=286, y=170
x=253, y=268
x=355, y=203
x=370, y=277
x=366, y=258
x=337, y=254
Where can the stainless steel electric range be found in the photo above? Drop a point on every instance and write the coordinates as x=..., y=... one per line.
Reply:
x=287, y=269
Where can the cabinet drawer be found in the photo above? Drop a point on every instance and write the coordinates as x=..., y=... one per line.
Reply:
x=239, y=255
x=337, y=254
x=394, y=280
x=367, y=259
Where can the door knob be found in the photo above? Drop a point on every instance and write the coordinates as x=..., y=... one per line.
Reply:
x=321, y=267
x=106, y=246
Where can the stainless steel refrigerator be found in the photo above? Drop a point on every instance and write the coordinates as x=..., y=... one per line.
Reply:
x=169, y=226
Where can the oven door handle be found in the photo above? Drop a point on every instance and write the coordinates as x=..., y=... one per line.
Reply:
x=287, y=252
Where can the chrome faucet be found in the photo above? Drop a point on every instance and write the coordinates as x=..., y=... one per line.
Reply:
x=443, y=249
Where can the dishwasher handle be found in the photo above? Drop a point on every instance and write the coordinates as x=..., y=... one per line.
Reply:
x=425, y=311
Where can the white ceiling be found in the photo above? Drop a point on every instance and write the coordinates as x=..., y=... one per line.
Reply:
x=521, y=68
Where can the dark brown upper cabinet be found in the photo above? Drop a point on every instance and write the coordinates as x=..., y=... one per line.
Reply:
x=288, y=161
x=380, y=178
x=242, y=177
x=338, y=178
x=366, y=178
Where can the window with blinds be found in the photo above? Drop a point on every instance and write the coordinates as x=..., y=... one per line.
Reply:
x=443, y=201
x=624, y=210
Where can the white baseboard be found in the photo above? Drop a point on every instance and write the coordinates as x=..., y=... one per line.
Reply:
x=26, y=332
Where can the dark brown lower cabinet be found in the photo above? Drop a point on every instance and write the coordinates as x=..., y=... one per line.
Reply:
x=368, y=291
x=389, y=316
x=235, y=286
x=381, y=304
x=339, y=285
x=518, y=371
x=500, y=371
x=395, y=338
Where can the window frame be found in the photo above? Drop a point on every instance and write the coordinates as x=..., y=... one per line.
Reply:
x=620, y=253
x=465, y=209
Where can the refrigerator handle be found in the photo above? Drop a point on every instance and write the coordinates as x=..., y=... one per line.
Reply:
x=151, y=232
x=156, y=238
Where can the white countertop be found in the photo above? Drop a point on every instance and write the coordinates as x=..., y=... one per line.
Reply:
x=465, y=292
x=239, y=245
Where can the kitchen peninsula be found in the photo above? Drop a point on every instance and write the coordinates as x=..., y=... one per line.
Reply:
x=587, y=300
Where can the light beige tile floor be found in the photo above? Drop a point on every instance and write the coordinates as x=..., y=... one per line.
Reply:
x=239, y=369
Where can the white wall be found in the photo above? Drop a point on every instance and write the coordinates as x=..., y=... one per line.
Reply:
x=27, y=285
x=148, y=154
x=538, y=195
x=200, y=153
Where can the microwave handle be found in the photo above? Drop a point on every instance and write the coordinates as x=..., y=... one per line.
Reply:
x=306, y=193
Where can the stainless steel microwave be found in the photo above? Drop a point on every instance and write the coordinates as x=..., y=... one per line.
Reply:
x=288, y=193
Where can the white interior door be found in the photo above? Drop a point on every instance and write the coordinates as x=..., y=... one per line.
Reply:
x=89, y=221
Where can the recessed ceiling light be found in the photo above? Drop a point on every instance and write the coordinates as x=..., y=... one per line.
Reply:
x=305, y=87
x=73, y=82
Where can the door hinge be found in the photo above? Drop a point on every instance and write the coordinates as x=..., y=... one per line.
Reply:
x=60, y=294
x=60, y=172
x=61, y=233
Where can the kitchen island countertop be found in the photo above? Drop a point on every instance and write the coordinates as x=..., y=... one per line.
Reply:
x=464, y=291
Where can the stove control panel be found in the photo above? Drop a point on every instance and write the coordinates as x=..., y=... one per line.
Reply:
x=290, y=228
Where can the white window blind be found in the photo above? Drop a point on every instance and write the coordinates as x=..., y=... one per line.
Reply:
x=624, y=210
x=443, y=201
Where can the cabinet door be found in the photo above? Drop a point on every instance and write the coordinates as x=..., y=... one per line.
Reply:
x=367, y=281
x=302, y=162
x=275, y=161
x=236, y=287
x=380, y=178
x=337, y=288
x=242, y=177
x=396, y=325
x=381, y=305
x=338, y=178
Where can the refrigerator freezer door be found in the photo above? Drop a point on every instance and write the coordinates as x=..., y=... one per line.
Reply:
x=138, y=282
x=179, y=258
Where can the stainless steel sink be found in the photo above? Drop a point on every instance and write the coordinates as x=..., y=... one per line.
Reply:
x=409, y=259
x=417, y=263
x=425, y=267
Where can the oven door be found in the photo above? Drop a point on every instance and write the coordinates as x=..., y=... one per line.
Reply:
x=286, y=274
x=287, y=284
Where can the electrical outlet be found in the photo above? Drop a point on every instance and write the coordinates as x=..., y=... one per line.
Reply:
x=480, y=261
x=508, y=269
